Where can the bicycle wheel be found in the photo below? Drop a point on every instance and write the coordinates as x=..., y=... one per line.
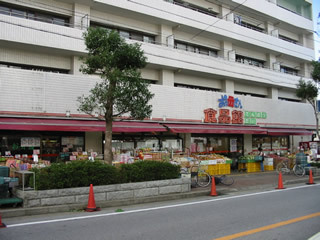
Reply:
x=281, y=168
x=299, y=170
x=203, y=179
x=226, y=180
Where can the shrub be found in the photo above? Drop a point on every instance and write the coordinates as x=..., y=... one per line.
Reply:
x=84, y=173
x=149, y=171
x=75, y=174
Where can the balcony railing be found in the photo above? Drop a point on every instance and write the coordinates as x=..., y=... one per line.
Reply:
x=193, y=7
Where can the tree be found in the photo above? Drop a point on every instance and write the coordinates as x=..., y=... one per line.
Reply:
x=121, y=91
x=309, y=91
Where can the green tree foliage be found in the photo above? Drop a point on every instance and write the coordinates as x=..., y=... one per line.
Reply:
x=309, y=91
x=315, y=74
x=121, y=90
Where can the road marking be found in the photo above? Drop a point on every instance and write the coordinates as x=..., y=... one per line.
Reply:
x=268, y=227
x=156, y=208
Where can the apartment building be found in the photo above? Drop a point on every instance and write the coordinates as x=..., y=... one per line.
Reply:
x=224, y=74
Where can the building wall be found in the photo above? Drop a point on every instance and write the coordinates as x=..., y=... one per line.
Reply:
x=29, y=42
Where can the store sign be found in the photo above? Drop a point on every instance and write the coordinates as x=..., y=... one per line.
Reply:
x=227, y=116
x=250, y=118
x=230, y=101
x=210, y=116
x=30, y=142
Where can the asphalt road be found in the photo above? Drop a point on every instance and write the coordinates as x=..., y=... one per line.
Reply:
x=293, y=213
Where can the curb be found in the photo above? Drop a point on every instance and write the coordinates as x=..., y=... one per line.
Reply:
x=18, y=212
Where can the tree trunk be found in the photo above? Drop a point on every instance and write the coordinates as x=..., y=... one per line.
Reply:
x=108, y=156
x=317, y=124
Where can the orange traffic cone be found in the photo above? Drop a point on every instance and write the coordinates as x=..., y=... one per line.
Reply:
x=213, y=187
x=310, y=178
x=280, y=184
x=91, y=202
x=2, y=225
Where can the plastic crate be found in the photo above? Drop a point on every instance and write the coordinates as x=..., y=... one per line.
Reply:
x=268, y=168
x=242, y=166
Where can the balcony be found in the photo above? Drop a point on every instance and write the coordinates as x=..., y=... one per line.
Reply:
x=16, y=30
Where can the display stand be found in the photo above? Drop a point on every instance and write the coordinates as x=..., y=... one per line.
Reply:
x=23, y=174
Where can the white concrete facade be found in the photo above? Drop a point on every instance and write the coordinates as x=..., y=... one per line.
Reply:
x=282, y=47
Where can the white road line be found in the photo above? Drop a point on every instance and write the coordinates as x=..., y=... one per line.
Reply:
x=156, y=208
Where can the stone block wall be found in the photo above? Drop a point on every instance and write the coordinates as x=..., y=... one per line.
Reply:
x=127, y=191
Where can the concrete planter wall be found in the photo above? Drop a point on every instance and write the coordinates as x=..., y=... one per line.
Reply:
x=128, y=191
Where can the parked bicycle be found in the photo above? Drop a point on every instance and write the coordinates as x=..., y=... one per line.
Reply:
x=285, y=168
x=199, y=177
x=224, y=179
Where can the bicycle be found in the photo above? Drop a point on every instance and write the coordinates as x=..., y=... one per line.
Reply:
x=224, y=179
x=284, y=168
x=199, y=176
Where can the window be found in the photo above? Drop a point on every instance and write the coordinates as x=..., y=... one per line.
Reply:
x=37, y=16
x=250, y=94
x=149, y=39
x=4, y=10
x=124, y=34
x=288, y=99
x=18, y=13
x=207, y=11
x=289, y=70
x=33, y=68
x=196, y=49
x=196, y=87
x=288, y=39
x=249, y=61
x=128, y=34
x=273, y=145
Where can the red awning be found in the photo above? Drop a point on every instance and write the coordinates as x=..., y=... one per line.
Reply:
x=33, y=124
x=209, y=128
x=287, y=131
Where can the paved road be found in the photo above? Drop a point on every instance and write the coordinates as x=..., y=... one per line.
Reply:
x=293, y=213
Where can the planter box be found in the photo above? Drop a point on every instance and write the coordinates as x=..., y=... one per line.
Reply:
x=127, y=191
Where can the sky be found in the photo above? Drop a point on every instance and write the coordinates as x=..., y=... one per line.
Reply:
x=316, y=20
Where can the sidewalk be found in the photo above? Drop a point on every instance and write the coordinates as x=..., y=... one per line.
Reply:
x=242, y=182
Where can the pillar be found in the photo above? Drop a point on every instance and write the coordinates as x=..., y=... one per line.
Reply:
x=227, y=52
x=186, y=140
x=167, y=77
x=271, y=59
x=304, y=70
x=247, y=143
x=226, y=13
x=75, y=65
x=273, y=93
x=81, y=16
x=166, y=36
x=228, y=86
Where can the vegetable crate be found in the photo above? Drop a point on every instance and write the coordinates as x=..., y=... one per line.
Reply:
x=253, y=167
x=268, y=168
x=219, y=169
